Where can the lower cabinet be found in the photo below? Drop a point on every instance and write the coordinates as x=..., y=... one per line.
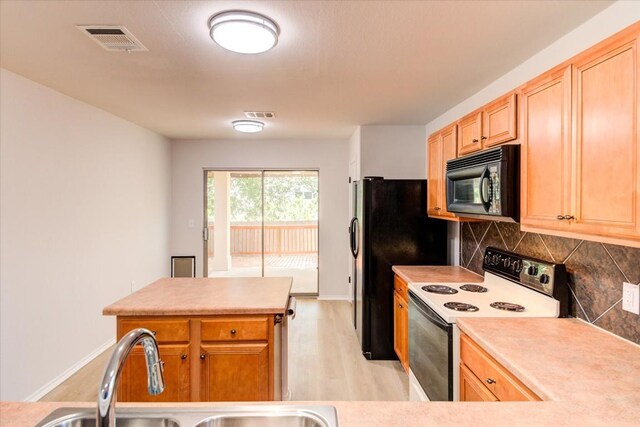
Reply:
x=482, y=378
x=209, y=358
x=234, y=372
x=401, y=322
x=177, y=364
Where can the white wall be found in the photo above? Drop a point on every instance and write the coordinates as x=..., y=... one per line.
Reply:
x=608, y=22
x=190, y=158
x=84, y=211
x=394, y=152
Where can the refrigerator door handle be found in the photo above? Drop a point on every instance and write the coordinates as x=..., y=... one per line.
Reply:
x=355, y=235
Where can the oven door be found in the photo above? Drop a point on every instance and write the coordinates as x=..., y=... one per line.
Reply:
x=430, y=350
x=469, y=190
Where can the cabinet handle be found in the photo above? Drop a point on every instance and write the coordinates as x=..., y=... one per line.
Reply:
x=436, y=209
x=233, y=332
x=569, y=217
x=474, y=141
x=483, y=138
x=560, y=217
x=202, y=357
x=491, y=381
x=183, y=357
x=399, y=305
x=154, y=333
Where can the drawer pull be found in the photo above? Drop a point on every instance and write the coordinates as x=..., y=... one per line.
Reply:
x=233, y=332
x=474, y=141
x=491, y=381
x=202, y=357
x=154, y=333
x=183, y=357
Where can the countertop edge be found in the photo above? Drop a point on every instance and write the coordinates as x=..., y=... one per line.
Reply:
x=397, y=269
x=216, y=312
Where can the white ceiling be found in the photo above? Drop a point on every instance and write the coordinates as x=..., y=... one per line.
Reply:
x=337, y=65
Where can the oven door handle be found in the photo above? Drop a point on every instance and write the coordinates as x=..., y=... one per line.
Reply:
x=435, y=319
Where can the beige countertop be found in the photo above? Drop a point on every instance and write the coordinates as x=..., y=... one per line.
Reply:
x=561, y=359
x=405, y=414
x=436, y=274
x=206, y=296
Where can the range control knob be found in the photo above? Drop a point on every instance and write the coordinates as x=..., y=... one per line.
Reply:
x=506, y=262
x=532, y=270
x=495, y=259
x=487, y=259
x=517, y=266
x=544, y=279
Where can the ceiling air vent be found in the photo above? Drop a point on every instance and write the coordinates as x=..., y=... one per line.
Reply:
x=260, y=114
x=112, y=37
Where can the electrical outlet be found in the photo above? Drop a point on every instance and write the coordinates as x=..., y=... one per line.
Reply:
x=631, y=297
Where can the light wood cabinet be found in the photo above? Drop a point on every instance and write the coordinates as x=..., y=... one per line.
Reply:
x=401, y=322
x=546, y=149
x=472, y=389
x=483, y=378
x=492, y=125
x=208, y=358
x=580, y=159
x=442, y=146
x=470, y=133
x=607, y=157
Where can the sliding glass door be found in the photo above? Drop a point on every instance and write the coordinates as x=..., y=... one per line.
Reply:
x=263, y=223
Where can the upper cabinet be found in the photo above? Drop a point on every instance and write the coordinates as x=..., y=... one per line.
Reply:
x=580, y=155
x=470, y=133
x=494, y=124
x=605, y=100
x=441, y=147
x=545, y=106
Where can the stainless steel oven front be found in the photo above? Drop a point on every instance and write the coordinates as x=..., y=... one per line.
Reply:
x=430, y=350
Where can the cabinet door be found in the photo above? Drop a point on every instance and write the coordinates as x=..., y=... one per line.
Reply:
x=133, y=384
x=472, y=389
x=449, y=151
x=401, y=330
x=434, y=147
x=499, y=124
x=469, y=133
x=546, y=150
x=234, y=372
x=605, y=96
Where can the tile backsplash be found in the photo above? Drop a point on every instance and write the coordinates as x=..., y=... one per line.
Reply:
x=596, y=270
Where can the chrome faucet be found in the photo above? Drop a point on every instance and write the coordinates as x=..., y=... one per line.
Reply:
x=108, y=386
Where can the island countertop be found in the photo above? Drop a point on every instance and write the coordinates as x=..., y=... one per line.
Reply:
x=206, y=296
x=561, y=359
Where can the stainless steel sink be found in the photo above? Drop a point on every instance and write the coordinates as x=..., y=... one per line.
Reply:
x=216, y=416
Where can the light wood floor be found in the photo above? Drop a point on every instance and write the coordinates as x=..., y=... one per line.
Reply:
x=325, y=362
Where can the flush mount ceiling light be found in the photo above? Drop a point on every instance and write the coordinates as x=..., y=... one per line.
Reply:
x=248, y=126
x=244, y=32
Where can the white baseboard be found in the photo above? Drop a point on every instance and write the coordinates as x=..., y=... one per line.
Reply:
x=334, y=297
x=38, y=394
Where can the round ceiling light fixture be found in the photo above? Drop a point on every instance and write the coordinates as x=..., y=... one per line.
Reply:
x=244, y=32
x=248, y=126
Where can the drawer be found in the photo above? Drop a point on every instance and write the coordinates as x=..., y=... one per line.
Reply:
x=493, y=375
x=165, y=330
x=401, y=287
x=235, y=329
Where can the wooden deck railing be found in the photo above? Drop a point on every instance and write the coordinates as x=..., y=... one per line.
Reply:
x=279, y=239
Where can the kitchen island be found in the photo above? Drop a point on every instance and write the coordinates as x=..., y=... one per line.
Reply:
x=221, y=339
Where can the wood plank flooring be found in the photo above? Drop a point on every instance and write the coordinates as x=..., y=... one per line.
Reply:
x=325, y=362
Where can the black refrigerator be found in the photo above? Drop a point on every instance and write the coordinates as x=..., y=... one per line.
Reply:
x=389, y=227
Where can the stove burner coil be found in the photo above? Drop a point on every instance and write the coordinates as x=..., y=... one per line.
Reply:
x=440, y=289
x=460, y=306
x=473, y=288
x=507, y=306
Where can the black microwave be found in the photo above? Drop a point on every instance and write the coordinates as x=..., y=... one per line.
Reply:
x=485, y=185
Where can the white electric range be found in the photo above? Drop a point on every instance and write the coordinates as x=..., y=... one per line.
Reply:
x=514, y=286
